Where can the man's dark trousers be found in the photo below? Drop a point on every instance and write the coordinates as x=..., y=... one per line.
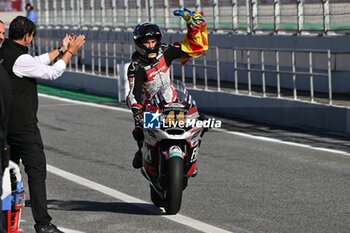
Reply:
x=27, y=145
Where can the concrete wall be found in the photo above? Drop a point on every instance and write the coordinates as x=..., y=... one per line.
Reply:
x=283, y=112
x=85, y=82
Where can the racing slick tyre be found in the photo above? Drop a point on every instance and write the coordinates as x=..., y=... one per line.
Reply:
x=174, y=185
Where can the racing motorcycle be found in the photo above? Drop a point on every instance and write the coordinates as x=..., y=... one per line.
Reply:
x=172, y=134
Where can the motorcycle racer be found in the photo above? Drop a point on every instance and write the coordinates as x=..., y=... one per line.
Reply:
x=150, y=63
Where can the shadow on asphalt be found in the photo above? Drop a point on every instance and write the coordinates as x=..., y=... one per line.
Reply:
x=94, y=206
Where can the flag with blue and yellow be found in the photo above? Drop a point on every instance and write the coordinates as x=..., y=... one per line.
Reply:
x=196, y=40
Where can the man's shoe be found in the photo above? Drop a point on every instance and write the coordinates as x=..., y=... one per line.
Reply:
x=137, y=161
x=48, y=228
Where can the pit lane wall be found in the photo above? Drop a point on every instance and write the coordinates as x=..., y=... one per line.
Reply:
x=277, y=111
x=282, y=112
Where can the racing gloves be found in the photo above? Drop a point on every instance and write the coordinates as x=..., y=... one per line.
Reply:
x=137, y=112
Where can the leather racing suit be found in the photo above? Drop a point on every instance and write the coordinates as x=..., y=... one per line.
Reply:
x=146, y=76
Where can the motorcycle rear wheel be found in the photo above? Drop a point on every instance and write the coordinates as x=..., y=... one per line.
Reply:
x=174, y=185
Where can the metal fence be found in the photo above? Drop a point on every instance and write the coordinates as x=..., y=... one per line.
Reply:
x=297, y=71
x=255, y=71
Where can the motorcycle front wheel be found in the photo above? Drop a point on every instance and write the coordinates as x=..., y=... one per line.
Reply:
x=174, y=185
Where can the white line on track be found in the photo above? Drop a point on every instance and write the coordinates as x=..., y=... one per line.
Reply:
x=66, y=230
x=261, y=138
x=86, y=103
x=190, y=222
x=198, y=225
x=201, y=226
x=266, y=139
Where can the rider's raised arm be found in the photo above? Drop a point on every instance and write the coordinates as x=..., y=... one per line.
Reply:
x=196, y=39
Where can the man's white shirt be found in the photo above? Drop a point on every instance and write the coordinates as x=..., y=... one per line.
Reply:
x=38, y=67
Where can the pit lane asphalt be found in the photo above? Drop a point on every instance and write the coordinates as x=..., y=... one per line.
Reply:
x=244, y=184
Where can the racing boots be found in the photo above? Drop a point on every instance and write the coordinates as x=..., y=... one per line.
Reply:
x=137, y=161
